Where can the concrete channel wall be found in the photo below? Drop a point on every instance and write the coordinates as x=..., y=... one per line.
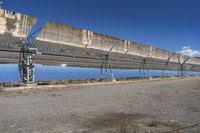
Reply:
x=54, y=37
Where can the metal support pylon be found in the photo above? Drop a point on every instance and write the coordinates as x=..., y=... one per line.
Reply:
x=144, y=67
x=106, y=64
x=27, y=64
x=182, y=66
x=27, y=59
x=166, y=65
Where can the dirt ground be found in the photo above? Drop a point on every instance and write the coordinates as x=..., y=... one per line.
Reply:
x=145, y=106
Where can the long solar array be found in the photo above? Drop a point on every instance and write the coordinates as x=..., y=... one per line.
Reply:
x=62, y=44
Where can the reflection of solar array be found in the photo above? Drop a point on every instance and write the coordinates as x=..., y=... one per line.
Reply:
x=61, y=44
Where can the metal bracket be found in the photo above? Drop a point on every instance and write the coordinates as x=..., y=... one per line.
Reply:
x=106, y=64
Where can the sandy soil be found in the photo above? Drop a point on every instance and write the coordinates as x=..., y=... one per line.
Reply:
x=105, y=108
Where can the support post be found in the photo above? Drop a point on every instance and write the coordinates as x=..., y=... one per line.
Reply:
x=144, y=67
x=106, y=64
x=27, y=64
x=166, y=65
x=27, y=58
x=183, y=65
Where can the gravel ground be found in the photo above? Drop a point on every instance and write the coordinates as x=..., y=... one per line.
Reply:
x=104, y=108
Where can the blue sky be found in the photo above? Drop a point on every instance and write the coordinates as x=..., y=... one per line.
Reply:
x=166, y=24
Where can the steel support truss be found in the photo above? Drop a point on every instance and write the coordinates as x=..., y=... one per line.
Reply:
x=144, y=67
x=27, y=58
x=106, y=64
x=183, y=66
x=166, y=66
x=27, y=64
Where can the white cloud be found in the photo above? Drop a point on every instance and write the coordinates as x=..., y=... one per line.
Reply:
x=186, y=50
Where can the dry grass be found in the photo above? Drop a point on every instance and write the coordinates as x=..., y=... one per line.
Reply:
x=169, y=123
x=127, y=126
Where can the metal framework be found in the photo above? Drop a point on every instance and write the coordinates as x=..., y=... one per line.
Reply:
x=144, y=67
x=27, y=59
x=144, y=64
x=27, y=64
x=166, y=65
x=106, y=64
x=183, y=66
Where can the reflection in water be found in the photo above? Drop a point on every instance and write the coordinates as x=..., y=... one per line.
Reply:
x=43, y=72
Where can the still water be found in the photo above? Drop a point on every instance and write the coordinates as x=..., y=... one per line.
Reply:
x=44, y=72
